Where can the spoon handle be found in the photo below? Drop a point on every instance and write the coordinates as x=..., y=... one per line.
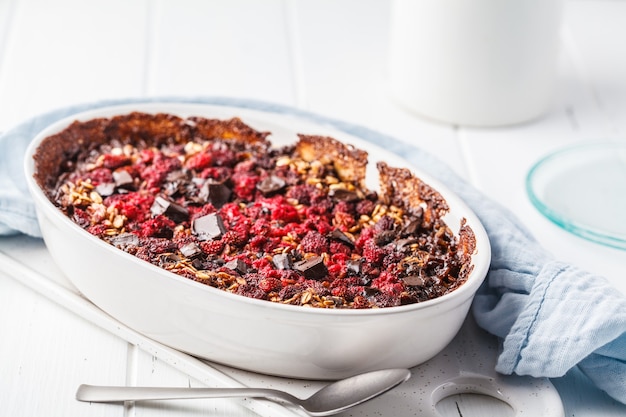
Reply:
x=98, y=393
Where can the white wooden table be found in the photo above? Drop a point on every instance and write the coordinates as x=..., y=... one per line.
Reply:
x=324, y=56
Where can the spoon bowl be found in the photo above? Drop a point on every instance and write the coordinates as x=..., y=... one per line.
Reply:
x=332, y=399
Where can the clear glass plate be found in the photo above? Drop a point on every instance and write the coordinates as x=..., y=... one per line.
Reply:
x=583, y=190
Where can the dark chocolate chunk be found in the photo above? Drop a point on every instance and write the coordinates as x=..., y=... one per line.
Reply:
x=169, y=258
x=341, y=237
x=172, y=189
x=237, y=265
x=105, y=189
x=198, y=263
x=159, y=206
x=173, y=211
x=343, y=195
x=190, y=250
x=124, y=240
x=176, y=183
x=270, y=185
x=353, y=267
x=370, y=292
x=414, y=281
x=401, y=244
x=282, y=261
x=412, y=227
x=312, y=268
x=216, y=193
x=384, y=237
x=177, y=176
x=123, y=180
x=209, y=227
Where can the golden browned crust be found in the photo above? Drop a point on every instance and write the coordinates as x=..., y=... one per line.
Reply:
x=349, y=162
x=158, y=128
x=467, y=247
x=399, y=187
x=58, y=151
x=228, y=129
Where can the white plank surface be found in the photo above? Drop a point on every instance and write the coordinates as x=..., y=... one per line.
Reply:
x=320, y=55
x=44, y=359
x=70, y=51
x=237, y=48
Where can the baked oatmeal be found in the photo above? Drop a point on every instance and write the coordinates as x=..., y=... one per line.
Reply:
x=215, y=202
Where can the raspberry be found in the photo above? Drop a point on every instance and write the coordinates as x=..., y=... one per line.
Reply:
x=97, y=230
x=101, y=176
x=246, y=166
x=360, y=302
x=392, y=258
x=302, y=193
x=233, y=238
x=212, y=247
x=161, y=166
x=81, y=217
x=270, y=284
x=146, y=156
x=245, y=186
x=219, y=174
x=262, y=264
x=388, y=284
x=385, y=223
x=150, y=247
x=339, y=291
x=354, y=291
x=290, y=291
x=323, y=227
x=251, y=291
x=134, y=205
x=261, y=227
x=334, y=270
x=242, y=228
x=115, y=161
x=223, y=157
x=159, y=226
x=258, y=242
x=343, y=207
x=373, y=253
x=365, y=207
x=314, y=242
x=338, y=247
x=317, y=209
x=288, y=276
x=199, y=161
x=231, y=211
x=285, y=213
x=366, y=235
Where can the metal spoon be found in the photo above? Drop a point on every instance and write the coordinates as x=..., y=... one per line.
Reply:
x=331, y=399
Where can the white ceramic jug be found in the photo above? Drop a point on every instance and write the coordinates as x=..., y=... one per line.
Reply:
x=475, y=62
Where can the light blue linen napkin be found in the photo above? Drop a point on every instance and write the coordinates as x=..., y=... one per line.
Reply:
x=551, y=316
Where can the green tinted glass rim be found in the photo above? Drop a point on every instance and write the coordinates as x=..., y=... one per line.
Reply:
x=573, y=226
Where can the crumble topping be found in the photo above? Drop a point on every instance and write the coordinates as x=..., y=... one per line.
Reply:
x=214, y=202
